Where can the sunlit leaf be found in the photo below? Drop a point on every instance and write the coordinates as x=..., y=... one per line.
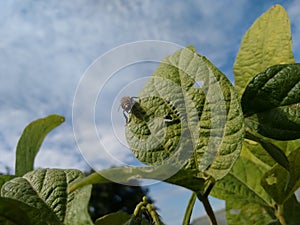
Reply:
x=267, y=42
x=246, y=200
x=281, y=184
x=31, y=140
x=197, y=129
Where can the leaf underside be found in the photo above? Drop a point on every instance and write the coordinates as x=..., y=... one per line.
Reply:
x=177, y=122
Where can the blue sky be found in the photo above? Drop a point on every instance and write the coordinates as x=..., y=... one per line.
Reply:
x=46, y=47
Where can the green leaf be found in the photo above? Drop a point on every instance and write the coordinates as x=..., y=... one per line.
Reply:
x=18, y=213
x=280, y=184
x=176, y=122
x=120, y=217
x=275, y=152
x=5, y=178
x=116, y=218
x=246, y=200
x=271, y=102
x=248, y=213
x=291, y=211
x=46, y=190
x=268, y=42
x=31, y=140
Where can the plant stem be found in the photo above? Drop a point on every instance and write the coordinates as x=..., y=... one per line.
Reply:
x=279, y=214
x=189, y=209
x=208, y=209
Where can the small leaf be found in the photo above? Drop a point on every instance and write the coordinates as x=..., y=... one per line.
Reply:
x=18, y=213
x=31, y=140
x=280, y=184
x=268, y=42
x=46, y=190
x=117, y=218
x=275, y=152
x=271, y=102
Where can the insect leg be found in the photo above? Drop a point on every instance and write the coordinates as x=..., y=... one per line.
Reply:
x=126, y=118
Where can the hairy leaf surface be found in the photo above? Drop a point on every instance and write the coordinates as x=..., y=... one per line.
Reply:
x=187, y=115
x=46, y=190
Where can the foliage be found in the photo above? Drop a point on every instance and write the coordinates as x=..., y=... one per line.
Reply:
x=240, y=144
x=112, y=197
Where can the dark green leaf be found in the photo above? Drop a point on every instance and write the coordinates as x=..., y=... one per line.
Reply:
x=46, y=190
x=117, y=218
x=18, y=213
x=271, y=102
x=291, y=211
x=31, y=140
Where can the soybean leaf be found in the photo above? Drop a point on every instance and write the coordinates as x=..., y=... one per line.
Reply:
x=18, y=213
x=120, y=218
x=280, y=184
x=246, y=200
x=31, y=140
x=46, y=190
x=116, y=218
x=271, y=102
x=5, y=178
x=175, y=122
x=291, y=211
x=274, y=151
x=267, y=42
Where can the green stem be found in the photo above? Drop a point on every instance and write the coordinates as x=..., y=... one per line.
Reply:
x=279, y=214
x=208, y=209
x=189, y=209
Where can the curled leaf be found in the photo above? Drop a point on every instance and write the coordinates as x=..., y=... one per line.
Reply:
x=31, y=140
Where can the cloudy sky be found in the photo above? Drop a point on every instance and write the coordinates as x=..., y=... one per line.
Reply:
x=48, y=47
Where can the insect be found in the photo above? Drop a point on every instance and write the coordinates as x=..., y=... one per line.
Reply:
x=126, y=103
